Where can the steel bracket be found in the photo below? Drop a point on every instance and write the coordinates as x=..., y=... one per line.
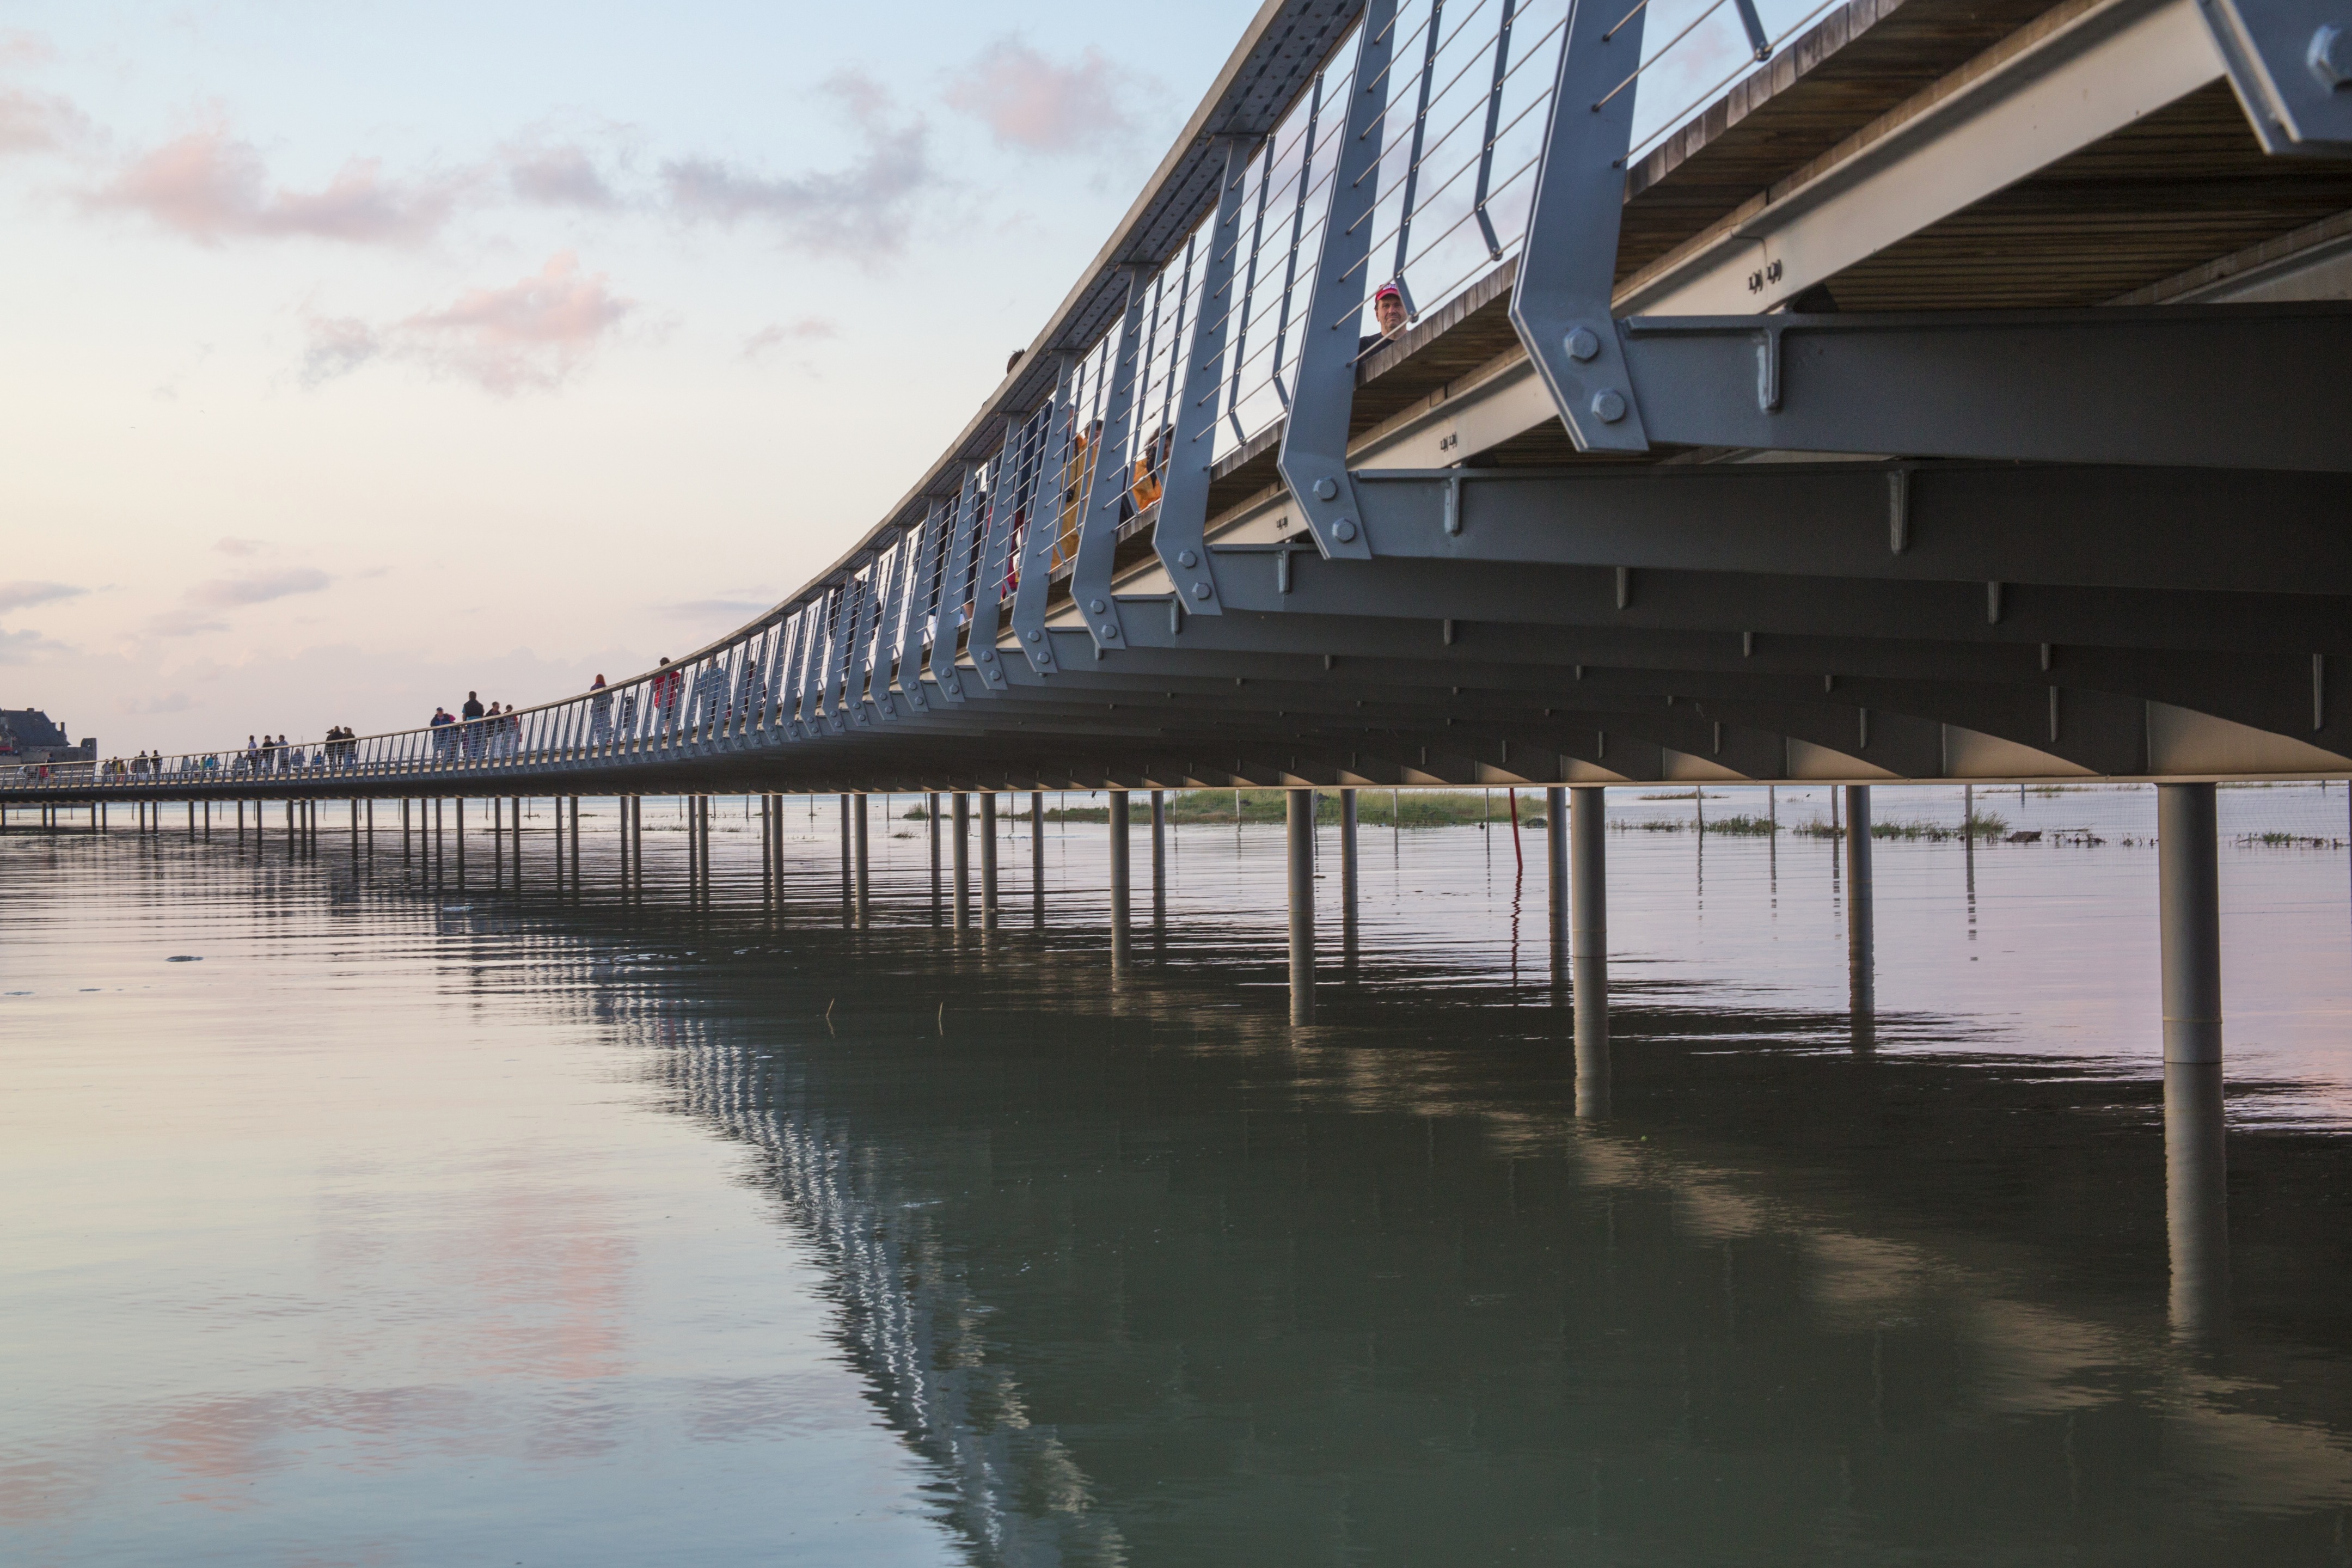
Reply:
x=1180, y=536
x=1030, y=594
x=1567, y=262
x=1107, y=480
x=2290, y=62
x=1313, y=460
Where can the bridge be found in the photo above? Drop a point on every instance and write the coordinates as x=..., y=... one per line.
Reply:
x=1513, y=392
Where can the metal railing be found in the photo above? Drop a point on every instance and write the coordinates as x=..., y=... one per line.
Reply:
x=1469, y=84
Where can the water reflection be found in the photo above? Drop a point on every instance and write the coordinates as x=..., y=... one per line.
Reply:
x=1141, y=1272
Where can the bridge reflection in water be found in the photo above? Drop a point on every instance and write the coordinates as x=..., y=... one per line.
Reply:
x=1155, y=1282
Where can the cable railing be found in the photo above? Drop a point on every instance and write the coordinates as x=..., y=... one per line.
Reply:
x=1467, y=89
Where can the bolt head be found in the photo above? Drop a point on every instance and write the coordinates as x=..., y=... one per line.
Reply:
x=1200, y=590
x=1108, y=630
x=1608, y=405
x=2330, y=58
x=1096, y=605
x=987, y=654
x=1583, y=345
x=1186, y=558
x=1033, y=637
x=1344, y=530
x=1325, y=488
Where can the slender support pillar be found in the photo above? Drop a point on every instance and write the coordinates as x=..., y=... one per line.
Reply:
x=1587, y=946
x=931, y=821
x=2188, y=883
x=1037, y=858
x=988, y=860
x=2196, y=1194
x=1862, y=991
x=863, y=863
x=497, y=845
x=1159, y=854
x=458, y=825
x=1299, y=804
x=1119, y=929
x=702, y=811
x=1555, y=881
x=1350, y=866
x=961, y=852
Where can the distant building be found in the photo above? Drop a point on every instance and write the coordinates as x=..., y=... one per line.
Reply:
x=29, y=735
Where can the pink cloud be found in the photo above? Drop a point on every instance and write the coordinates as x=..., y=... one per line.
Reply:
x=36, y=122
x=531, y=335
x=1029, y=101
x=210, y=186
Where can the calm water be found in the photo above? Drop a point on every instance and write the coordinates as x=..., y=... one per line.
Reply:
x=412, y=1224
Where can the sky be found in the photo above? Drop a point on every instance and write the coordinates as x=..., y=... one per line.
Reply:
x=361, y=355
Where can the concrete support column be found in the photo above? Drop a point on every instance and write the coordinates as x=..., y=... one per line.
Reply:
x=1119, y=929
x=1350, y=865
x=960, y=850
x=931, y=820
x=1158, y=854
x=2188, y=883
x=2196, y=1197
x=988, y=860
x=1299, y=825
x=1588, y=942
x=1037, y=858
x=1862, y=991
x=1556, y=868
x=863, y=862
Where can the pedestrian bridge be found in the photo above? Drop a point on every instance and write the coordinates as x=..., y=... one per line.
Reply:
x=1886, y=390
x=1505, y=392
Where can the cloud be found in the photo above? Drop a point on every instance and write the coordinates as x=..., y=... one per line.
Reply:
x=22, y=594
x=37, y=121
x=20, y=648
x=182, y=624
x=562, y=177
x=209, y=186
x=229, y=544
x=19, y=48
x=728, y=610
x=258, y=588
x=531, y=335
x=808, y=329
x=172, y=702
x=862, y=209
x=338, y=346
x=1029, y=101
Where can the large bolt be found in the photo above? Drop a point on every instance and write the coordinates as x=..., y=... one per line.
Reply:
x=1608, y=405
x=1108, y=630
x=1344, y=530
x=1582, y=345
x=2330, y=58
x=1186, y=558
x=1033, y=636
x=1096, y=605
x=1325, y=488
x=1200, y=590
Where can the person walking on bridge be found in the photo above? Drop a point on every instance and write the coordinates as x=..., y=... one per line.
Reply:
x=600, y=711
x=472, y=711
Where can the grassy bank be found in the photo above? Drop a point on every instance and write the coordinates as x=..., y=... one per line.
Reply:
x=1374, y=807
